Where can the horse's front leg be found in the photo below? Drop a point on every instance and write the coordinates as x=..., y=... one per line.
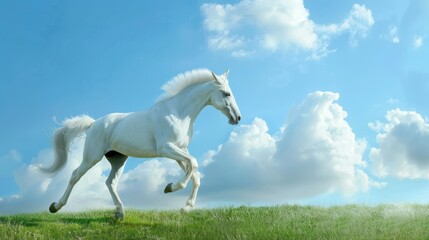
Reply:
x=195, y=186
x=172, y=151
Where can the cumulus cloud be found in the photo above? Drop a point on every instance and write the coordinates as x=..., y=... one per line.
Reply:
x=285, y=23
x=278, y=25
x=403, y=146
x=141, y=187
x=316, y=152
x=37, y=192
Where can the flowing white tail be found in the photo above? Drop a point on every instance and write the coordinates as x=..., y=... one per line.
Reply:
x=71, y=129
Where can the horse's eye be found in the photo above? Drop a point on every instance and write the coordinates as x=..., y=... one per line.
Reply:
x=227, y=94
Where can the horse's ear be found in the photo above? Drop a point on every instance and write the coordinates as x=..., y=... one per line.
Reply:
x=219, y=81
x=226, y=73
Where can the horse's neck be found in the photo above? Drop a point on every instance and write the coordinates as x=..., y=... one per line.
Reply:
x=191, y=101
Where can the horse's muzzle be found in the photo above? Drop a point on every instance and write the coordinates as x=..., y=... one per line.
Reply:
x=233, y=121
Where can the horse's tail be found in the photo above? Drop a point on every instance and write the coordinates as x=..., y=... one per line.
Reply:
x=72, y=128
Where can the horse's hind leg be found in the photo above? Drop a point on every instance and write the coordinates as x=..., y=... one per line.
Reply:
x=117, y=160
x=88, y=161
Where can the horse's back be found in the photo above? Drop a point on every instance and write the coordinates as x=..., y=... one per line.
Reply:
x=106, y=124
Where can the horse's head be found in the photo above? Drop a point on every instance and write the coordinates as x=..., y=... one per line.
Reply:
x=223, y=98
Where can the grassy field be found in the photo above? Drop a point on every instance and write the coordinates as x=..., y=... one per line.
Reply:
x=282, y=222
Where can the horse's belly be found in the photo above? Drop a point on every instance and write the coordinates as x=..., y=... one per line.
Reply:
x=140, y=149
x=133, y=137
x=135, y=143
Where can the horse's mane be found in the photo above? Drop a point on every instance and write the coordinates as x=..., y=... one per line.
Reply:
x=184, y=80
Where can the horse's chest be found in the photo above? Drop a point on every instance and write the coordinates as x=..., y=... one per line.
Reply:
x=181, y=130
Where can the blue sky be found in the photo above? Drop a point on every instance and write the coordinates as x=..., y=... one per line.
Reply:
x=333, y=97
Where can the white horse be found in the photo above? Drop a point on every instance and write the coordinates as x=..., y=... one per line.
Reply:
x=165, y=130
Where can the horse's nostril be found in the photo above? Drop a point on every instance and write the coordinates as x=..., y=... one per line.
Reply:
x=238, y=118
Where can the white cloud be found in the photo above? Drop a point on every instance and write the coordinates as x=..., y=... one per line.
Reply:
x=278, y=25
x=403, y=146
x=141, y=187
x=315, y=153
x=418, y=42
x=392, y=36
x=358, y=23
x=37, y=192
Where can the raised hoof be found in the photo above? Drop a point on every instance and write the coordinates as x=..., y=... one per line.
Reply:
x=52, y=208
x=119, y=216
x=168, y=188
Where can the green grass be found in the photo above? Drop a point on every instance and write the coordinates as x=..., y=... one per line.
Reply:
x=281, y=222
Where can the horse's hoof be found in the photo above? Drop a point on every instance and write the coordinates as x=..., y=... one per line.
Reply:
x=52, y=208
x=186, y=209
x=119, y=216
x=168, y=188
